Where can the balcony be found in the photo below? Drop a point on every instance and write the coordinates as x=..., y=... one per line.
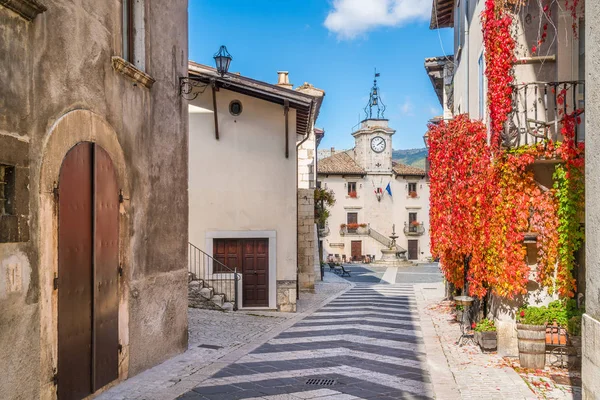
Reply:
x=414, y=229
x=354, y=229
x=539, y=110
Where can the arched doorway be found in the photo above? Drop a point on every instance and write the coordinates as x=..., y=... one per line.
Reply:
x=88, y=271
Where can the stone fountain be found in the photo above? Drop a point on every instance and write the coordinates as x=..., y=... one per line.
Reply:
x=394, y=255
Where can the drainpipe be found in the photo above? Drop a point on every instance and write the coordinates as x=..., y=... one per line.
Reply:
x=467, y=50
x=297, y=212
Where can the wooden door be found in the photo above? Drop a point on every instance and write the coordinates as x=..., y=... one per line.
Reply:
x=255, y=266
x=356, y=250
x=413, y=249
x=228, y=253
x=87, y=282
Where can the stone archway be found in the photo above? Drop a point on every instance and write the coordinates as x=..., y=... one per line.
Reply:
x=74, y=127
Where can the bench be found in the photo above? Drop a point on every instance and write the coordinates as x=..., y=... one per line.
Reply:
x=344, y=271
x=332, y=267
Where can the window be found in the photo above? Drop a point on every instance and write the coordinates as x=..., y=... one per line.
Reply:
x=412, y=189
x=134, y=32
x=352, y=219
x=352, y=189
x=7, y=190
x=482, y=91
x=128, y=30
x=412, y=222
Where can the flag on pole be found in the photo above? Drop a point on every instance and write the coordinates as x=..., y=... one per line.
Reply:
x=389, y=189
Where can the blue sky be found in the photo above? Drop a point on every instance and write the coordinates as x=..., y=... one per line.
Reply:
x=335, y=45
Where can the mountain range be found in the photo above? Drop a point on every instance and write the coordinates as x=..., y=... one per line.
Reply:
x=412, y=157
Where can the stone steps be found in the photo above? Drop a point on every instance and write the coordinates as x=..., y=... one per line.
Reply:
x=200, y=296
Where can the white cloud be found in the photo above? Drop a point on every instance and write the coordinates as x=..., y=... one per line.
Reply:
x=350, y=18
x=407, y=108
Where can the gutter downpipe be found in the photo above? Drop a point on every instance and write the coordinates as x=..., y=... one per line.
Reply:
x=312, y=102
x=467, y=51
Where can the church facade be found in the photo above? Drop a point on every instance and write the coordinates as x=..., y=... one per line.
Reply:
x=374, y=197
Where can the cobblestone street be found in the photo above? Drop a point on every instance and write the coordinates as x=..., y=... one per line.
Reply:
x=360, y=338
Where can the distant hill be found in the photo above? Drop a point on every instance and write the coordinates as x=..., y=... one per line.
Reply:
x=412, y=157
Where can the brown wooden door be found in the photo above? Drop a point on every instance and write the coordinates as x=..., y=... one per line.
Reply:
x=413, y=249
x=255, y=264
x=228, y=253
x=356, y=250
x=87, y=272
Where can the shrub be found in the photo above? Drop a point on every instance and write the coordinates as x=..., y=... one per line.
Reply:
x=485, y=325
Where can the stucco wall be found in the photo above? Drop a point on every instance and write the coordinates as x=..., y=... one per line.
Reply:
x=58, y=63
x=380, y=215
x=591, y=321
x=243, y=181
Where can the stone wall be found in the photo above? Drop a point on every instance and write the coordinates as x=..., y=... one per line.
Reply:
x=306, y=240
x=286, y=296
x=591, y=320
x=60, y=86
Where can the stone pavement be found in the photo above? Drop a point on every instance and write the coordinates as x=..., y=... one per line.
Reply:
x=217, y=338
x=462, y=372
x=365, y=344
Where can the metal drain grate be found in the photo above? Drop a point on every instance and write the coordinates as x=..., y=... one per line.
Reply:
x=210, y=346
x=321, y=382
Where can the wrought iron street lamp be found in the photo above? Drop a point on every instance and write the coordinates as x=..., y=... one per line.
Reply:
x=222, y=60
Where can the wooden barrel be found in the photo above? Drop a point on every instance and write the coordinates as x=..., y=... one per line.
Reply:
x=532, y=345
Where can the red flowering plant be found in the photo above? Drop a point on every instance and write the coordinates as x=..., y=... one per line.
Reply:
x=353, y=194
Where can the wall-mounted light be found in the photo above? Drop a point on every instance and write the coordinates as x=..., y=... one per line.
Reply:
x=222, y=60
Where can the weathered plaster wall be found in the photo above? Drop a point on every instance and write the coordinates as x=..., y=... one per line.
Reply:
x=591, y=321
x=61, y=62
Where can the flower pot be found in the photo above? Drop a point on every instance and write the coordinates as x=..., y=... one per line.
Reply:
x=532, y=345
x=488, y=341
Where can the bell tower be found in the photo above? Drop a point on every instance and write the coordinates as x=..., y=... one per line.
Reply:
x=373, y=140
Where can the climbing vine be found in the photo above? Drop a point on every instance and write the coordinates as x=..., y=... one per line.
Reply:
x=485, y=201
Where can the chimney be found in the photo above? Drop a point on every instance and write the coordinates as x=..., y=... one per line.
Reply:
x=283, y=80
x=332, y=150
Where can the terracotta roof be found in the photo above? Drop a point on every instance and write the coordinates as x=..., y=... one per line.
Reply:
x=339, y=164
x=403, y=169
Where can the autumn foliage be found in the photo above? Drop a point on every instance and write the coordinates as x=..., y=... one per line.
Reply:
x=485, y=199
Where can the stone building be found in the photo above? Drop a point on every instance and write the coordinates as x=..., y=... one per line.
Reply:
x=93, y=193
x=540, y=77
x=245, y=215
x=374, y=196
x=590, y=368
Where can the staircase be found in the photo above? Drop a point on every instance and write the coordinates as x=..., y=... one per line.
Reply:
x=384, y=240
x=211, y=284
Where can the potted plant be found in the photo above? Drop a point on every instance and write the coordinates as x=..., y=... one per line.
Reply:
x=343, y=229
x=412, y=194
x=531, y=335
x=362, y=229
x=352, y=227
x=353, y=194
x=486, y=335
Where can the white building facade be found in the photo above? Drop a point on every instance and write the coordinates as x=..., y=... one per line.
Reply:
x=243, y=184
x=374, y=196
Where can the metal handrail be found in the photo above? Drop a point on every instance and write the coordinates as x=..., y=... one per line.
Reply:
x=414, y=230
x=539, y=110
x=213, y=274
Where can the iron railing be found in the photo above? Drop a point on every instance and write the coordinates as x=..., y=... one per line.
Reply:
x=213, y=274
x=539, y=110
x=414, y=230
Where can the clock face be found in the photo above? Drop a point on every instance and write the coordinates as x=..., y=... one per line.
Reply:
x=378, y=144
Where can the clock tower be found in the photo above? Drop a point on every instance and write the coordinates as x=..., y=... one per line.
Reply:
x=373, y=140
